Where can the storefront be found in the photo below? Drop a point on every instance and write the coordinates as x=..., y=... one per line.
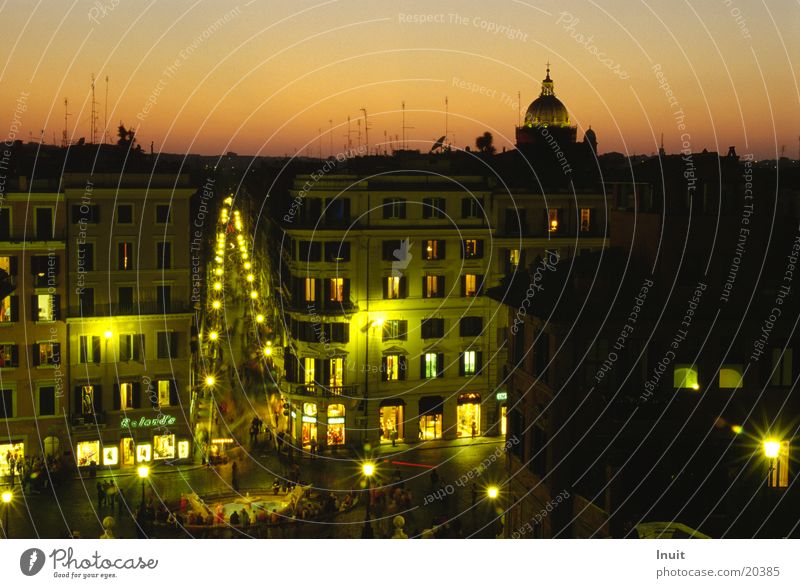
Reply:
x=430, y=417
x=336, y=429
x=502, y=409
x=468, y=415
x=391, y=420
x=308, y=432
x=10, y=451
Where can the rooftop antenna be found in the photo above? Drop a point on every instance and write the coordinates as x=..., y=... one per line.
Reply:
x=64, y=137
x=405, y=146
x=384, y=141
x=93, y=125
x=330, y=136
x=348, y=135
x=319, y=142
x=446, y=113
x=519, y=108
x=358, y=124
x=366, y=128
x=105, y=116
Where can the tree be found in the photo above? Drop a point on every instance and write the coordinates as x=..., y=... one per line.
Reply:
x=127, y=137
x=484, y=143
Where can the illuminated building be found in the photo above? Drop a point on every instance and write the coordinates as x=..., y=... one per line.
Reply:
x=130, y=319
x=33, y=331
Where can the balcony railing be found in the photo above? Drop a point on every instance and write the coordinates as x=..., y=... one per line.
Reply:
x=88, y=420
x=32, y=237
x=136, y=309
x=318, y=391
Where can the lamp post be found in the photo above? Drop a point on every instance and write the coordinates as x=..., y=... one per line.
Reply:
x=493, y=494
x=7, y=496
x=368, y=469
x=144, y=472
x=372, y=323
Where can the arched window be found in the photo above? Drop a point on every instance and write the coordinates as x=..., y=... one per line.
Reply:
x=685, y=376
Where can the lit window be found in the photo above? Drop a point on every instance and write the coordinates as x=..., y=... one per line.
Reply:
x=552, y=220
x=470, y=359
x=586, y=216
x=472, y=248
x=125, y=256
x=144, y=452
x=7, y=310
x=183, y=449
x=49, y=353
x=311, y=289
x=310, y=409
x=87, y=399
x=513, y=257
x=391, y=367
x=470, y=285
x=431, y=365
x=88, y=453
x=393, y=287
x=46, y=307
x=308, y=370
x=163, y=392
x=8, y=355
x=336, y=289
x=110, y=456
x=432, y=289
x=164, y=446
x=395, y=329
x=433, y=249
x=730, y=376
x=337, y=372
x=685, y=376
x=126, y=395
x=779, y=467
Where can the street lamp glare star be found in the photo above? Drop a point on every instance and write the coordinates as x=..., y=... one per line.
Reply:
x=216, y=305
x=7, y=496
x=253, y=294
x=213, y=335
x=210, y=380
x=143, y=471
x=108, y=334
x=218, y=286
x=492, y=492
x=772, y=448
x=368, y=469
x=259, y=318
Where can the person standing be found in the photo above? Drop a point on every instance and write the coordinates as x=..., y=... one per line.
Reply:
x=235, y=476
x=101, y=496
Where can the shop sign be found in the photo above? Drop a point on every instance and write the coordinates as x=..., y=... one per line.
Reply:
x=162, y=421
x=309, y=419
x=502, y=396
x=336, y=421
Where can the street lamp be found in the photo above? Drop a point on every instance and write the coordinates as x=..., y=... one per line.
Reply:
x=772, y=448
x=143, y=472
x=210, y=381
x=108, y=334
x=7, y=496
x=368, y=469
x=492, y=492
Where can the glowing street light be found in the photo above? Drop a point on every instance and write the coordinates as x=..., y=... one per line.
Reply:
x=217, y=286
x=259, y=318
x=108, y=334
x=250, y=277
x=213, y=335
x=247, y=265
x=210, y=380
x=493, y=492
x=772, y=448
x=143, y=472
x=368, y=469
x=7, y=496
x=267, y=351
x=216, y=305
x=253, y=294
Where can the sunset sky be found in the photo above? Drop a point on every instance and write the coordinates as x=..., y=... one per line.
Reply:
x=262, y=77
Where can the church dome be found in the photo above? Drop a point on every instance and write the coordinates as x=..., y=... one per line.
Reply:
x=547, y=110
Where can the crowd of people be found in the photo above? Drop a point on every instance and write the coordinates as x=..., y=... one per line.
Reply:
x=34, y=474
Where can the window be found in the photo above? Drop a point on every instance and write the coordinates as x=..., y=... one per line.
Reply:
x=472, y=249
x=6, y=404
x=394, y=368
x=337, y=251
x=395, y=329
x=110, y=456
x=124, y=214
x=432, y=328
x=433, y=286
x=125, y=256
x=9, y=355
x=86, y=301
x=130, y=347
x=433, y=249
x=88, y=453
x=308, y=371
x=5, y=223
x=45, y=270
x=470, y=363
x=730, y=376
x=47, y=401
x=394, y=208
x=431, y=365
x=336, y=371
x=44, y=223
x=779, y=466
x=337, y=211
x=89, y=349
x=310, y=285
x=126, y=395
x=552, y=220
x=163, y=446
x=392, y=250
x=433, y=208
x=167, y=347
x=163, y=214
x=85, y=257
x=685, y=376
x=336, y=430
x=513, y=258
x=472, y=207
x=336, y=289
x=781, y=367
x=164, y=388
x=9, y=309
x=125, y=299
x=586, y=218
x=310, y=251
x=470, y=285
x=394, y=287
x=163, y=298
x=87, y=399
x=47, y=353
x=85, y=213
x=164, y=255
x=338, y=332
x=470, y=326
